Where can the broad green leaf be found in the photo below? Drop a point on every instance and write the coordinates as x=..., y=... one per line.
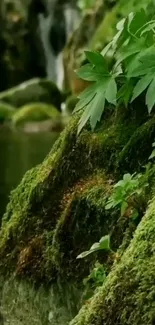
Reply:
x=120, y=24
x=150, y=96
x=83, y=102
x=124, y=206
x=109, y=205
x=94, y=110
x=98, y=60
x=84, y=254
x=95, y=246
x=141, y=85
x=97, y=109
x=84, y=118
x=139, y=19
x=111, y=91
x=85, y=97
x=106, y=49
x=125, y=92
x=105, y=242
x=140, y=62
x=127, y=177
x=89, y=73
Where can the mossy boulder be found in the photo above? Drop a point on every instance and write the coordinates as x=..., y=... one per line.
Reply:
x=6, y=112
x=35, y=90
x=35, y=112
x=127, y=297
x=41, y=230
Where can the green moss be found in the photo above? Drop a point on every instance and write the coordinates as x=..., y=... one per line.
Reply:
x=35, y=112
x=139, y=147
x=6, y=111
x=128, y=294
x=35, y=90
x=38, y=209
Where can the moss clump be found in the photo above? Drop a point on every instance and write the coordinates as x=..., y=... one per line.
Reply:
x=139, y=147
x=35, y=90
x=6, y=112
x=35, y=112
x=128, y=294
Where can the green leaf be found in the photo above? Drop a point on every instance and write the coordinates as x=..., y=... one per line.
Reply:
x=125, y=92
x=97, y=109
x=84, y=118
x=111, y=91
x=141, y=85
x=95, y=246
x=94, y=110
x=109, y=205
x=88, y=72
x=98, y=60
x=139, y=19
x=84, y=254
x=124, y=206
x=150, y=96
x=106, y=49
x=85, y=97
x=105, y=242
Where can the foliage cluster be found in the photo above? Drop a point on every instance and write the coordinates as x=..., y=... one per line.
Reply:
x=127, y=76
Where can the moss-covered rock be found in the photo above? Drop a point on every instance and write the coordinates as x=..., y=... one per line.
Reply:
x=35, y=112
x=50, y=205
x=6, y=112
x=35, y=90
x=127, y=297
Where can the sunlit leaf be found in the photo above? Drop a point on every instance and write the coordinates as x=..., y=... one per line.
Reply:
x=150, y=96
x=141, y=85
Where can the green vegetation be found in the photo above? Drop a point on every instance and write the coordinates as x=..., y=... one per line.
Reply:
x=131, y=74
x=103, y=244
x=127, y=195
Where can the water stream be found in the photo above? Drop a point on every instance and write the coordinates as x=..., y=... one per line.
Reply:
x=55, y=30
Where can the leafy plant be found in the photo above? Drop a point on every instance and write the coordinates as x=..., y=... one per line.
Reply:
x=127, y=195
x=95, y=279
x=132, y=73
x=103, y=244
